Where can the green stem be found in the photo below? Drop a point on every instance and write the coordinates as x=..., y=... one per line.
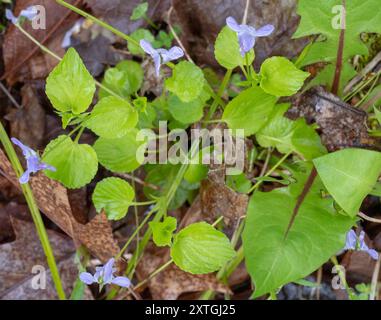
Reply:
x=154, y=274
x=342, y=278
x=35, y=212
x=220, y=92
x=144, y=203
x=270, y=172
x=150, y=22
x=98, y=21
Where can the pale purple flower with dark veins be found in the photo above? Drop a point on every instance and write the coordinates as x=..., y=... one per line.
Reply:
x=354, y=243
x=247, y=34
x=161, y=56
x=28, y=13
x=105, y=275
x=33, y=161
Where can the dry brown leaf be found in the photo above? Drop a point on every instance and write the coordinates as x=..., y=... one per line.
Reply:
x=16, y=263
x=172, y=282
x=52, y=199
x=28, y=123
x=17, y=47
x=219, y=200
x=341, y=125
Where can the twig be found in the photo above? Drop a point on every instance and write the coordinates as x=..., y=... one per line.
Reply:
x=176, y=36
x=367, y=218
x=368, y=68
x=137, y=180
x=244, y=19
x=9, y=95
x=376, y=272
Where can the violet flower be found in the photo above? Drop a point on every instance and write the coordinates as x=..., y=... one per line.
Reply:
x=354, y=243
x=161, y=56
x=33, y=161
x=105, y=275
x=247, y=34
x=28, y=13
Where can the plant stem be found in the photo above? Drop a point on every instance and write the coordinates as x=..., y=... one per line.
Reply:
x=98, y=21
x=270, y=172
x=220, y=92
x=35, y=212
x=154, y=274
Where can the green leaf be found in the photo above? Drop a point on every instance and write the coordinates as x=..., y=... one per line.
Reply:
x=349, y=176
x=162, y=231
x=200, y=248
x=361, y=16
x=377, y=114
x=76, y=164
x=125, y=79
x=70, y=87
x=112, y=117
x=138, y=35
x=318, y=232
x=249, y=110
x=187, y=81
x=227, y=51
x=239, y=183
x=139, y=11
x=115, y=196
x=188, y=112
x=287, y=135
x=281, y=78
x=121, y=154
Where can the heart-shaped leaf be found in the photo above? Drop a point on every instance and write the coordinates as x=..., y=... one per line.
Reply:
x=349, y=176
x=76, y=164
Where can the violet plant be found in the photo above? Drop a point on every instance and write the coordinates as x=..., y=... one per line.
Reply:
x=295, y=245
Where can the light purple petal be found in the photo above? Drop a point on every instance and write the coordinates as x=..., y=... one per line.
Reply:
x=351, y=240
x=232, y=24
x=25, y=177
x=121, y=281
x=373, y=253
x=171, y=54
x=45, y=166
x=246, y=42
x=108, y=271
x=147, y=47
x=157, y=61
x=27, y=152
x=265, y=31
x=87, y=278
x=29, y=13
x=10, y=16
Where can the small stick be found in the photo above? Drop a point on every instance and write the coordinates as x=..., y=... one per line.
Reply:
x=175, y=35
x=137, y=180
x=367, y=218
x=244, y=19
x=376, y=272
x=10, y=97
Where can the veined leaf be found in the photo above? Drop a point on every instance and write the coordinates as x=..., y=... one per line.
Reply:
x=70, y=87
x=187, y=81
x=162, y=231
x=317, y=233
x=121, y=154
x=227, y=51
x=200, y=248
x=125, y=79
x=112, y=117
x=349, y=176
x=324, y=18
x=281, y=78
x=114, y=195
x=249, y=110
x=76, y=164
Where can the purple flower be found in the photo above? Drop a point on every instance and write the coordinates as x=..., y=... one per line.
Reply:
x=354, y=243
x=161, y=56
x=105, y=275
x=247, y=34
x=28, y=13
x=33, y=161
